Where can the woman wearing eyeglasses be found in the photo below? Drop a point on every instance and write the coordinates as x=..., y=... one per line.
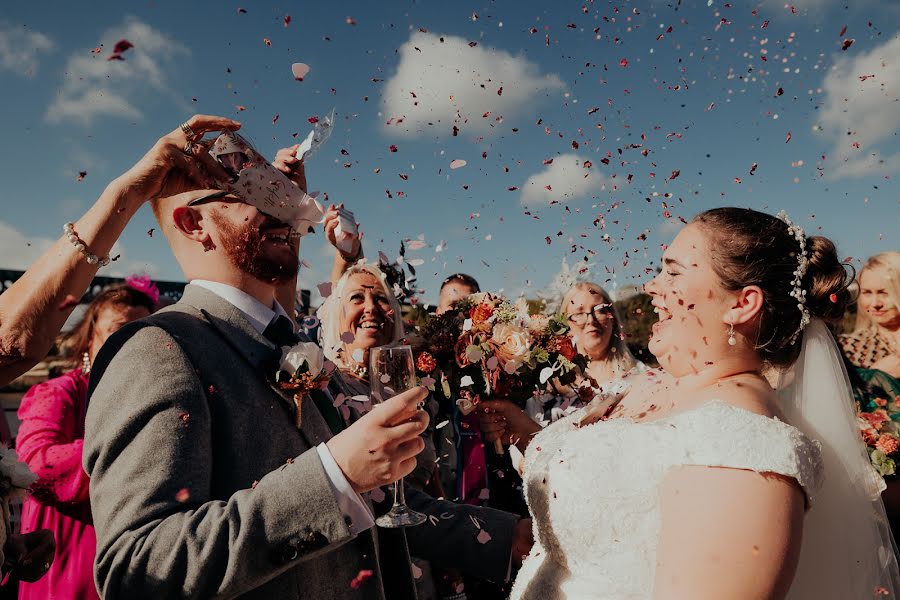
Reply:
x=597, y=333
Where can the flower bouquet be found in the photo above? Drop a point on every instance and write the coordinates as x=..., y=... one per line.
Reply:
x=486, y=346
x=881, y=433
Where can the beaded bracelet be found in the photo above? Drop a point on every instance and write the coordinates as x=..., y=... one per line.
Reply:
x=92, y=259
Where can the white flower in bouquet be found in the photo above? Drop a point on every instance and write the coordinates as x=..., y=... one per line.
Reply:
x=16, y=476
x=510, y=342
x=304, y=353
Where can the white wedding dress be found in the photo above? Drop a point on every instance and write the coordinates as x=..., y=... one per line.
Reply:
x=593, y=492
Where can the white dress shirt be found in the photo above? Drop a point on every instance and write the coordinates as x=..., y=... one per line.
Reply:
x=353, y=507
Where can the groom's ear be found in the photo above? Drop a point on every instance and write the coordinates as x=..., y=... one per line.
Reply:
x=747, y=305
x=190, y=223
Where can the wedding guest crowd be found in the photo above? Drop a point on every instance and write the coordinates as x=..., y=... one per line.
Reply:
x=196, y=518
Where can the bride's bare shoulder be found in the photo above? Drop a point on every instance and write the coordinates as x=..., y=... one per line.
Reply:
x=749, y=392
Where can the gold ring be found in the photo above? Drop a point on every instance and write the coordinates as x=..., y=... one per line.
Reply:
x=188, y=131
x=188, y=148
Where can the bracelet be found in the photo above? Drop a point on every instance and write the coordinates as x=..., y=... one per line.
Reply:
x=92, y=259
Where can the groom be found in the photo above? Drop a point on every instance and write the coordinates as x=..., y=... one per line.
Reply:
x=201, y=483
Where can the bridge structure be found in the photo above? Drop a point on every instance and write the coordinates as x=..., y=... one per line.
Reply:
x=170, y=290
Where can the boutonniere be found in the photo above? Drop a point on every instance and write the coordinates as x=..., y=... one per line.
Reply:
x=303, y=369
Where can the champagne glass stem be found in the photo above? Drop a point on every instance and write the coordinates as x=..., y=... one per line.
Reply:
x=399, y=493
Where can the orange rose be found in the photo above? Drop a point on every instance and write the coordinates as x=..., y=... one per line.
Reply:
x=876, y=418
x=887, y=444
x=425, y=362
x=481, y=313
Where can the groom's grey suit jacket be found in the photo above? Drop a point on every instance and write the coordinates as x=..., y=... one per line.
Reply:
x=202, y=487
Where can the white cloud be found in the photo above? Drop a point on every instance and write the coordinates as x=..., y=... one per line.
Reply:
x=19, y=49
x=813, y=5
x=454, y=83
x=868, y=108
x=95, y=86
x=567, y=179
x=17, y=250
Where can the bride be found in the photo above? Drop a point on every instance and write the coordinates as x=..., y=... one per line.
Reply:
x=694, y=486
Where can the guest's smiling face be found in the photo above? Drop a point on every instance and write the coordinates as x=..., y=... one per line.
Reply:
x=875, y=299
x=366, y=313
x=691, y=303
x=590, y=316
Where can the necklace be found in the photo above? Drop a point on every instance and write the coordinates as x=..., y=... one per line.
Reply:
x=359, y=371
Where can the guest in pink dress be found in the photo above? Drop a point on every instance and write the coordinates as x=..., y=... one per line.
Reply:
x=50, y=441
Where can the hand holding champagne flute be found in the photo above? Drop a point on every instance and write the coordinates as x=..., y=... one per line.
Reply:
x=391, y=372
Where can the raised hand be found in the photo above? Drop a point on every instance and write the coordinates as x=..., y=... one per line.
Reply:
x=382, y=446
x=330, y=224
x=178, y=162
x=502, y=420
x=287, y=162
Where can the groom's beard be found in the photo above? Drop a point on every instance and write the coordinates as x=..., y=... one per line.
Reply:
x=246, y=248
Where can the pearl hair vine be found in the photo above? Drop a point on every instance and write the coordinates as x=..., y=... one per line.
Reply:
x=798, y=293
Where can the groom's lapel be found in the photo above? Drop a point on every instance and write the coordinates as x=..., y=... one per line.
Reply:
x=234, y=327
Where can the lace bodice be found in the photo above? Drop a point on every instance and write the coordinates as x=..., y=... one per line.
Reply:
x=593, y=492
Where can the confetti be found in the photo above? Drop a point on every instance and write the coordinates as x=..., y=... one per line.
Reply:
x=364, y=574
x=457, y=163
x=68, y=302
x=120, y=47
x=81, y=175
x=299, y=71
x=183, y=495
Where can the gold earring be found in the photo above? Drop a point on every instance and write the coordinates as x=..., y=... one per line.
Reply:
x=731, y=339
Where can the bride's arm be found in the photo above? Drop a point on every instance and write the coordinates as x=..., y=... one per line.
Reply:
x=727, y=534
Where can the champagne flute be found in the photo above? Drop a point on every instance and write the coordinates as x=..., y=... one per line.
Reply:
x=391, y=371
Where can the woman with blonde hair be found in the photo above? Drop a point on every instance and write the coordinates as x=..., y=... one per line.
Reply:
x=596, y=330
x=875, y=341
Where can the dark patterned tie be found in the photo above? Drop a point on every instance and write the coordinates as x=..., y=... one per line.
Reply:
x=280, y=332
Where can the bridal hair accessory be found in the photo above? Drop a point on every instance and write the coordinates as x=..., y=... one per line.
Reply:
x=72, y=236
x=86, y=363
x=802, y=265
x=144, y=285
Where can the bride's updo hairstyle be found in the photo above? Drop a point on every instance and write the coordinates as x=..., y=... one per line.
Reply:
x=753, y=248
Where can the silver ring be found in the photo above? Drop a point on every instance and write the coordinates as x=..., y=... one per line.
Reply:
x=188, y=131
x=188, y=148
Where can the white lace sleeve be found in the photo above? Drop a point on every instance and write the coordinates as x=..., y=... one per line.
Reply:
x=737, y=438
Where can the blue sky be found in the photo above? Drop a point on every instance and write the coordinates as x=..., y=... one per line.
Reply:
x=702, y=89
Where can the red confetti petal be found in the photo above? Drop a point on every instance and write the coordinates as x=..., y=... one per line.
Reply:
x=361, y=577
x=68, y=302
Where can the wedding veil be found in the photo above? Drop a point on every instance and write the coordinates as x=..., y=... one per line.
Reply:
x=848, y=552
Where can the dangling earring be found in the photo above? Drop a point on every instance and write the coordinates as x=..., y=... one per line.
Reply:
x=86, y=363
x=731, y=339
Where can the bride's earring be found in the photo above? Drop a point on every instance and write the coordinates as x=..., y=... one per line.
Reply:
x=731, y=339
x=86, y=363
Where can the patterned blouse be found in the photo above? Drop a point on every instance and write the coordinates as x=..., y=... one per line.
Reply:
x=865, y=347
